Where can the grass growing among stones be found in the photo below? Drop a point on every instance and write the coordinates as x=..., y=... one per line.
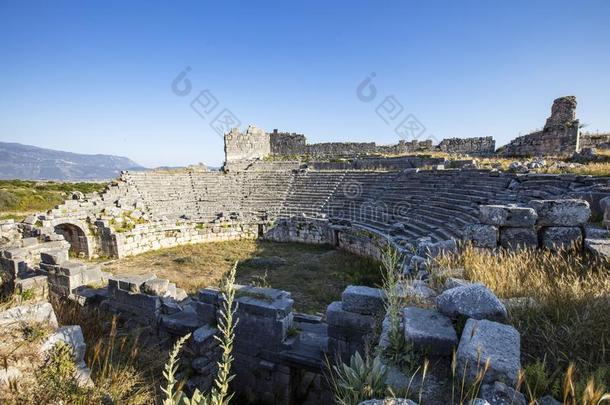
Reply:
x=315, y=275
x=565, y=320
x=20, y=198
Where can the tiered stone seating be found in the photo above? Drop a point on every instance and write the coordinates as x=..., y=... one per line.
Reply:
x=417, y=204
x=166, y=194
x=310, y=191
x=265, y=192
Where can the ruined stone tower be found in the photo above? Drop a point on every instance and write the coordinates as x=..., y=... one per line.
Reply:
x=560, y=136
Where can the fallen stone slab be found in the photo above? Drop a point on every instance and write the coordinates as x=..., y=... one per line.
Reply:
x=34, y=313
x=481, y=235
x=485, y=341
x=507, y=215
x=157, y=286
x=566, y=212
x=429, y=331
x=599, y=248
x=362, y=300
x=515, y=238
x=561, y=237
x=471, y=301
x=70, y=335
x=336, y=316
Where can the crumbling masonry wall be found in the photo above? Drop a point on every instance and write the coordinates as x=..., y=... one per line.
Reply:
x=256, y=144
x=252, y=144
x=560, y=136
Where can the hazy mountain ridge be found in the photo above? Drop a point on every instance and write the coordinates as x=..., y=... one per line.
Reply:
x=18, y=161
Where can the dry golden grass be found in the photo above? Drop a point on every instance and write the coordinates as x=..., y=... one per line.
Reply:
x=567, y=321
x=122, y=372
x=315, y=275
x=593, y=169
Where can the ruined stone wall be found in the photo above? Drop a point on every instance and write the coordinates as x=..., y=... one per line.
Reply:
x=560, y=136
x=474, y=146
x=600, y=141
x=378, y=163
x=252, y=144
x=290, y=144
x=162, y=235
x=285, y=143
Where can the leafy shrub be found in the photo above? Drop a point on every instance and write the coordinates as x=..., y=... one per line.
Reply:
x=361, y=379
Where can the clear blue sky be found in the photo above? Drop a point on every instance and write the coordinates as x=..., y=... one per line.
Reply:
x=95, y=77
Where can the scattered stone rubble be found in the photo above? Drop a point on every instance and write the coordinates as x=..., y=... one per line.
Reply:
x=360, y=206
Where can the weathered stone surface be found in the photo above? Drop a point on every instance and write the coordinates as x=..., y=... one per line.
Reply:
x=507, y=215
x=452, y=282
x=514, y=238
x=478, y=401
x=484, y=236
x=155, y=286
x=483, y=341
x=434, y=249
x=499, y=393
x=472, y=301
x=561, y=237
x=70, y=335
x=566, y=212
x=362, y=300
x=416, y=290
x=337, y=316
x=598, y=247
x=429, y=331
x=38, y=313
x=388, y=401
x=604, y=205
x=54, y=257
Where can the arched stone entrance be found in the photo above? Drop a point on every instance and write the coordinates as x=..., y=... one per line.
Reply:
x=75, y=235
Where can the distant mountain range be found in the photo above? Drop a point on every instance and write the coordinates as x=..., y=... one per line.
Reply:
x=27, y=162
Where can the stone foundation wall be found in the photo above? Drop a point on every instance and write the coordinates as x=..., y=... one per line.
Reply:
x=547, y=224
x=161, y=235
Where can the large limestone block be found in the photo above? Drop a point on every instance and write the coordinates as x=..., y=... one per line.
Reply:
x=567, y=212
x=472, y=301
x=507, y=215
x=514, y=238
x=486, y=341
x=481, y=235
x=429, y=331
x=362, y=300
x=70, y=335
x=337, y=317
x=35, y=313
x=561, y=238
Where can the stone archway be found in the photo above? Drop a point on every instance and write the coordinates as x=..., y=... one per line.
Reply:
x=76, y=236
